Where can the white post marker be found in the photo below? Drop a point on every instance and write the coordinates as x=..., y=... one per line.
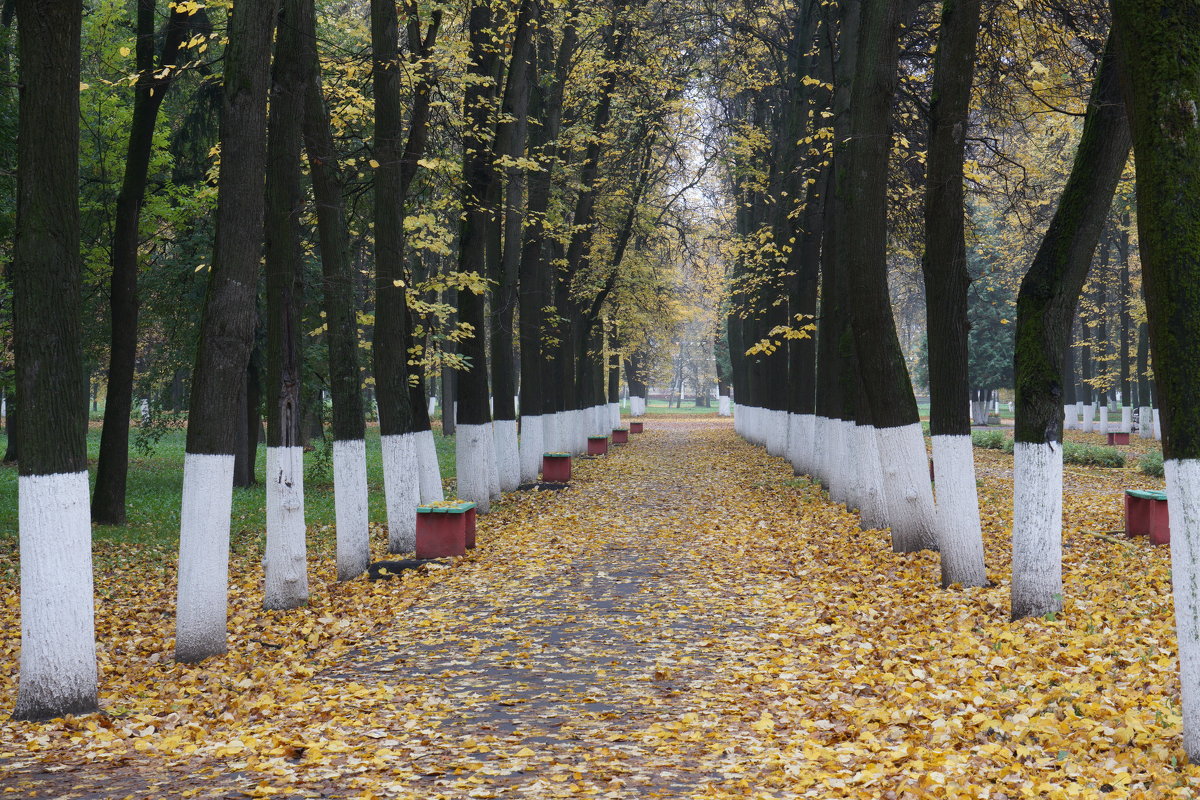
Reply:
x=285, y=562
x=58, y=638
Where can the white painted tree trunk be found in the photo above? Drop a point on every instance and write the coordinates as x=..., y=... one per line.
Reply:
x=551, y=439
x=960, y=534
x=58, y=636
x=493, y=464
x=855, y=479
x=808, y=432
x=532, y=446
x=1078, y=415
x=508, y=461
x=776, y=432
x=1157, y=424
x=350, y=508
x=1146, y=422
x=907, y=493
x=430, y=479
x=285, y=562
x=1104, y=420
x=1069, y=420
x=1089, y=417
x=200, y=606
x=471, y=444
x=820, y=458
x=871, y=506
x=401, y=490
x=614, y=416
x=795, y=443
x=836, y=455
x=723, y=404
x=1183, y=497
x=1126, y=419
x=1037, y=529
x=432, y=405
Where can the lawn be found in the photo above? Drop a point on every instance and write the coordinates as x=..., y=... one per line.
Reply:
x=156, y=482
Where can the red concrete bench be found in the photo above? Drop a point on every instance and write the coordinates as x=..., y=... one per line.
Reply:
x=556, y=467
x=1146, y=515
x=597, y=445
x=620, y=435
x=445, y=529
x=1118, y=437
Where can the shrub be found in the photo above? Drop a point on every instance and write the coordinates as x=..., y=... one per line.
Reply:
x=992, y=440
x=1152, y=464
x=1092, y=455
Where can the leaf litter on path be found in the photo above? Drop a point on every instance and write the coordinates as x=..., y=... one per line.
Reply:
x=686, y=620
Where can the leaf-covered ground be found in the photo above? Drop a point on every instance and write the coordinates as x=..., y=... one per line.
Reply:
x=687, y=620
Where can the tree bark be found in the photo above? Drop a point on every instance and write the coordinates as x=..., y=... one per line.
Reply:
x=226, y=336
x=112, y=469
x=58, y=643
x=960, y=535
x=1046, y=305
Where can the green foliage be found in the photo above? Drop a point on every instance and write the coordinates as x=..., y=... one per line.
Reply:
x=992, y=440
x=1092, y=455
x=1152, y=464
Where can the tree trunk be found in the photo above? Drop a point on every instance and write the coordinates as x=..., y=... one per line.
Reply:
x=1160, y=38
x=960, y=535
x=389, y=351
x=862, y=180
x=11, y=451
x=58, y=642
x=286, y=559
x=226, y=336
x=474, y=443
x=345, y=382
x=1046, y=305
x=112, y=469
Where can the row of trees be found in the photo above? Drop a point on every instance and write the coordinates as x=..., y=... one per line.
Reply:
x=495, y=189
x=824, y=182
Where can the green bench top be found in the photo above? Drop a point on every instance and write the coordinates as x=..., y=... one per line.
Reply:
x=449, y=508
x=1146, y=494
x=557, y=455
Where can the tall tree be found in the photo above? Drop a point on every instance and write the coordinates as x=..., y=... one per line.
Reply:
x=960, y=534
x=1046, y=304
x=154, y=79
x=1160, y=39
x=226, y=336
x=341, y=336
x=285, y=561
x=58, y=642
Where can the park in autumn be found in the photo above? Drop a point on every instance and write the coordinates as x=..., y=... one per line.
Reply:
x=600, y=398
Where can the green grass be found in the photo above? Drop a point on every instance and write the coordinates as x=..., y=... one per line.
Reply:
x=1152, y=464
x=156, y=483
x=688, y=407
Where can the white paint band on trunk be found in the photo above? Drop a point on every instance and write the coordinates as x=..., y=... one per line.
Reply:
x=960, y=534
x=1146, y=422
x=532, y=445
x=401, y=490
x=350, y=508
x=493, y=465
x=508, y=460
x=1037, y=529
x=1126, y=419
x=793, y=443
x=836, y=452
x=723, y=404
x=907, y=492
x=871, y=504
x=1104, y=420
x=58, y=636
x=614, y=416
x=777, y=431
x=471, y=446
x=201, y=602
x=1183, y=498
x=820, y=450
x=285, y=562
x=1069, y=422
x=430, y=480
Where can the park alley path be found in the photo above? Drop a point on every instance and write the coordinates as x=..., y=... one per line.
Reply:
x=687, y=619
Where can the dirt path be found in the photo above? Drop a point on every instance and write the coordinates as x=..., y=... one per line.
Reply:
x=686, y=620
